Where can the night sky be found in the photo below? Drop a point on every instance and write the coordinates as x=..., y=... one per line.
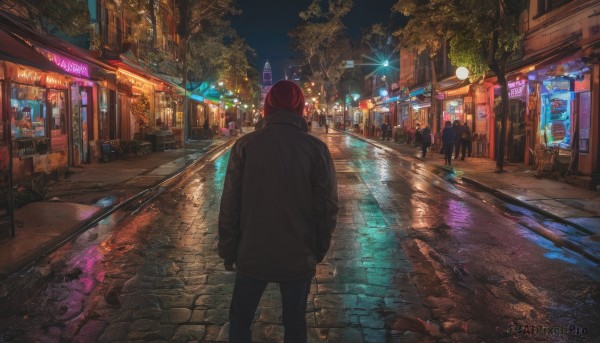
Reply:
x=265, y=24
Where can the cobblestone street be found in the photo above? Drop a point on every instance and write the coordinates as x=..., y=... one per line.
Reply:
x=413, y=259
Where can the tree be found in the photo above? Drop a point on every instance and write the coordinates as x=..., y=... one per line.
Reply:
x=324, y=45
x=235, y=69
x=483, y=35
x=140, y=109
x=429, y=27
x=378, y=41
x=69, y=16
x=194, y=17
x=487, y=33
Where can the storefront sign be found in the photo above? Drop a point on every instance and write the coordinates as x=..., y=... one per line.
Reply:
x=558, y=85
x=24, y=75
x=55, y=81
x=67, y=64
x=516, y=89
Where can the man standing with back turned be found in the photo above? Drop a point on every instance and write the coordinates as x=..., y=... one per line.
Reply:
x=278, y=212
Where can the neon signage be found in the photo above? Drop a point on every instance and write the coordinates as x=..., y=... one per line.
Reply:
x=67, y=64
x=516, y=89
x=70, y=66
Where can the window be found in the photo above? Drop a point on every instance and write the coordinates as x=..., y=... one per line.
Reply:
x=58, y=117
x=28, y=111
x=545, y=6
x=103, y=115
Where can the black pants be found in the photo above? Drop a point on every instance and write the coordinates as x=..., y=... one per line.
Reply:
x=466, y=148
x=456, y=148
x=247, y=292
x=448, y=153
x=424, y=147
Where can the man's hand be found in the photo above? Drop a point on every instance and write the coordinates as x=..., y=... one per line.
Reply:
x=229, y=267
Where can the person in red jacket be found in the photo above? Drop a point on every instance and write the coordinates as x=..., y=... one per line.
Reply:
x=278, y=212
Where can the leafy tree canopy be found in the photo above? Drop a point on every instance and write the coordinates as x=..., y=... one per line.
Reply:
x=323, y=43
x=70, y=16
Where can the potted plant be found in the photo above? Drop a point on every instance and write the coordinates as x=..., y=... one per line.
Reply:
x=140, y=109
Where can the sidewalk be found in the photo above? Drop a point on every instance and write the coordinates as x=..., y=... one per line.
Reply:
x=90, y=193
x=564, y=203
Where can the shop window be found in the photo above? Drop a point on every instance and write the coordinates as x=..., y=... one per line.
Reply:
x=103, y=115
x=28, y=112
x=556, y=119
x=453, y=110
x=163, y=113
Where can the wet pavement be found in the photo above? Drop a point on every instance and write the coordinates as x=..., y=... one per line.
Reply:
x=414, y=259
x=571, y=210
x=90, y=192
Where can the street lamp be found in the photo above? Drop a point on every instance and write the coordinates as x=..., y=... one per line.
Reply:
x=462, y=73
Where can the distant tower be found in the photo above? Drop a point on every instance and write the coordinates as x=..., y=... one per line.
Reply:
x=267, y=81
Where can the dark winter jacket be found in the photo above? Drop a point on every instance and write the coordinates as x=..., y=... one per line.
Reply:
x=279, y=205
x=458, y=130
x=426, y=136
x=448, y=136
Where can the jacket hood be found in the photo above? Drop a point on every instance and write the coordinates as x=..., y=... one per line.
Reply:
x=286, y=118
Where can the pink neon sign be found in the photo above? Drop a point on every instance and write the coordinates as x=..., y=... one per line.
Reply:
x=69, y=65
x=516, y=89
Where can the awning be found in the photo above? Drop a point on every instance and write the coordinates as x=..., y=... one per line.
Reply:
x=15, y=50
x=426, y=90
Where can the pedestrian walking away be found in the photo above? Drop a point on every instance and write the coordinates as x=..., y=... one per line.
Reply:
x=278, y=213
x=384, y=130
x=418, y=136
x=465, y=143
x=448, y=142
x=426, y=137
x=457, y=137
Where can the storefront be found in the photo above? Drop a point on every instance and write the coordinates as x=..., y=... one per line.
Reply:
x=80, y=124
x=565, y=108
x=114, y=119
x=420, y=106
x=403, y=113
x=199, y=118
x=38, y=127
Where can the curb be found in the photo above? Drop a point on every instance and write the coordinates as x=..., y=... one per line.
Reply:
x=522, y=203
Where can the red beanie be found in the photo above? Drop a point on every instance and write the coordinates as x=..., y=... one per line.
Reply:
x=284, y=95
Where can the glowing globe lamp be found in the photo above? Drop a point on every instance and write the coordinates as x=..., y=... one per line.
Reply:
x=462, y=73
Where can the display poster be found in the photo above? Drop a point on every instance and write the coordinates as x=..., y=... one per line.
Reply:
x=481, y=119
x=556, y=119
x=584, y=122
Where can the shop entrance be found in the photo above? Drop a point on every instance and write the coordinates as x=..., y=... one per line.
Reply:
x=516, y=131
x=79, y=123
